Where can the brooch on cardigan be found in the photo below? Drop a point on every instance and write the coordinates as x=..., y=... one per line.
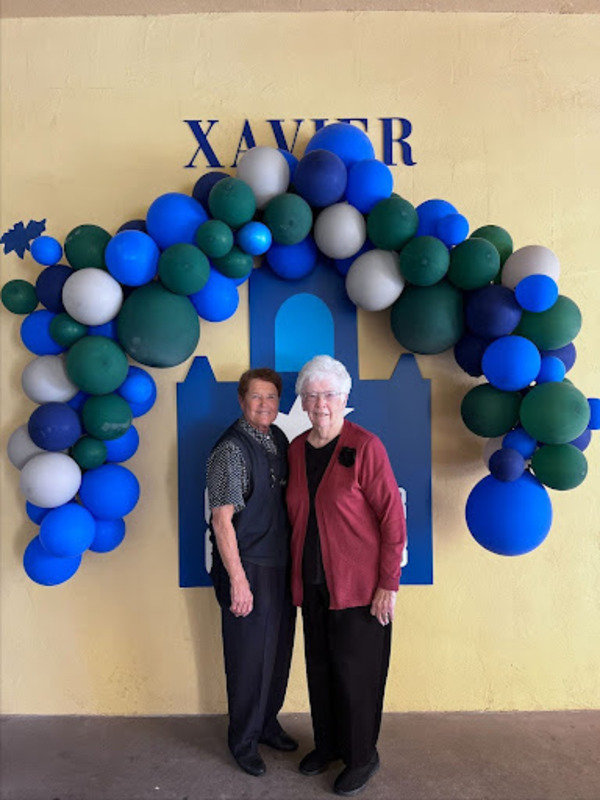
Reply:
x=347, y=456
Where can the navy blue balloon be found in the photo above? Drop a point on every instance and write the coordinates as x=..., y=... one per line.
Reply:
x=133, y=225
x=429, y=213
x=35, y=513
x=291, y=160
x=567, y=354
x=321, y=178
x=46, y=250
x=492, y=311
x=468, y=352
x=507, y=464
x=204, y=184
x=552, y=369
x=218, y=299
x=509, y=518
x=369, y=181
x=452, y=229
x=35, y=334
x=293, y=261
x=46, y=569
x=519, y=439
x=583, y=440
x=109, y=535
x=536, y=292
x=54, y=426
x=594, y=404
x=122, y=448
x=110, y=491
x=49, y=286
x=511, y=362
x=347, y=141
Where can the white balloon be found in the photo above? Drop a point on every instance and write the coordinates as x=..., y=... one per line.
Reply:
x=490, y=447
x=45, y=380
x=533, y=259
x=20, y=448
x=92, y=296
x=340, y=231
x=266, y=172
x=374, y=280
x=50, y=479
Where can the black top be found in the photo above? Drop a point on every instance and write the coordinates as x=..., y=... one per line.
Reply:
x=317, y=459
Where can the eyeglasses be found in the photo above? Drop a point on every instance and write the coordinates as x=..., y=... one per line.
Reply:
x=312, y=397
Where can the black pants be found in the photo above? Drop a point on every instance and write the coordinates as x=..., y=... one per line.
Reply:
x=258, y=652
x=347, y=658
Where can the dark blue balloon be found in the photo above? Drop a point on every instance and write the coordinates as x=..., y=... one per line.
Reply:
x=594, y=404
x=519, y=439
x=110, y=491
x=369, y=182
x=67, y=531
x=492, y=311
x=511, y=363
x=468, y=352
x=452, y=229
x=134, y=225
x=293, y=261
x=174, y=218
x=536, y=292
x=49, y=286
x=109, y=535
x=204, y=184
x=35, y=334
x=583, y=440
x=507, y=464
x=46, y=569
x=123, y=447
x=321, y=178
x=54, y=426
x=345, y=140
x=509, y=518
x=218, y=299
x=46, y=250
x=35, y=513
x=429, y=213
x=567, y=354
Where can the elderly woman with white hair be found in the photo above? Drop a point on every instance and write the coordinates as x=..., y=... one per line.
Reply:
x=348, y=536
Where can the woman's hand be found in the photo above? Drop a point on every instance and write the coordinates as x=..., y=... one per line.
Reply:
x=383, y=604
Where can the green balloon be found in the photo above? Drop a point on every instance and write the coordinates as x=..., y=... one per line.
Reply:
x=289, y=218
x=559, y=466
x=158, y=328
x=65, y=330
x=88, y=452
x=183, y=269
x=428, y=319
x=424, y=260
x=106, y=416
x=391, y=223
x=214, y=238
x=555, y=413
x=232, y=201
x=473, y=264
x=97, y=365
x=85, y=246
x=500, y=238
x=553, y=328
x=236, y=264
x=19, y=296
x=487, y=411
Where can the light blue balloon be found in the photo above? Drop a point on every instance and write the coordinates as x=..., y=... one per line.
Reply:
x=254, y=238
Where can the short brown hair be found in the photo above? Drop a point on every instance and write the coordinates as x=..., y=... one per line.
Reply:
x=259, y=374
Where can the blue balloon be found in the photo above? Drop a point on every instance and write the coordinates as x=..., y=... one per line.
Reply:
x=218, y=299
x=567, y=354
x=293, y=261
x=132, y=258
x=133, y=225
x=54, y=426
x=35, y=334
x=511, y=363
x=254, y=238
x=46, y=250
x=583, y=440
x=138, y=386
x=35, y=513
x=109, y=535
x=78, y=401
x=46, y=569
x=468, y=352
x=49, y=286
x=492, y=311
x=291, y=160
x=107, y=329
x=369, y=182
x=123, y=447
x=507, y=464
x=536, y=292
x=321, y=178
x=552, y=369
x=594, y=404
x=429, y=213
x=345, y=140
x=204, y=184
x=67, y=531
x=509, y=518
x=452, y=229
x=343, y=264
x=519, y=439
x=174, y=218
x=110, y=491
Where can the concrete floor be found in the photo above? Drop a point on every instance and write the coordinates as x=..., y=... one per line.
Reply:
x=450, y=756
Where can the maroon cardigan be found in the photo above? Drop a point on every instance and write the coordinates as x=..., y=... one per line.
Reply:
x=360, y=518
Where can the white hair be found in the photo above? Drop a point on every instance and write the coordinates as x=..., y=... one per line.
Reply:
x=324, y=368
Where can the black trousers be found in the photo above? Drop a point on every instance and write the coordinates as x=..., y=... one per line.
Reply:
x=347, y=659
x=257, y=651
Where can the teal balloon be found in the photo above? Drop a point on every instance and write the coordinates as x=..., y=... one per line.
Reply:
x=214, y=238
x=106, y=416
x=473, y=264
x=65, y=330
x=157, y=327
x=428, y=319
x=19, y=296
x=488, y=411
x=559, y=466
x=391, y=223
x=236, y=264
x=183, y=269
x=499, y=237
x=554, y=328
x=289, y=218
x=88, y=452
x=232, y=201
x=424, y=260
x=85, y=246
x=555, y=413
x=97, y=365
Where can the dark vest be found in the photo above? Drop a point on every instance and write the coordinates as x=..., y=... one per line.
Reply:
x=262, y=527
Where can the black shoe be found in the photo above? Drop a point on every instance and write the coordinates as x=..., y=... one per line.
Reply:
x=314, y=763
x=353, y=780
x=252, y=764
x=280, y=741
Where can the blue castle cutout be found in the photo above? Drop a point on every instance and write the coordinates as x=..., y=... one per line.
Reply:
x=290, y=323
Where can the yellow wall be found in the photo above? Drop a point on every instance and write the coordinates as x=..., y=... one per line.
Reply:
x=506, y=126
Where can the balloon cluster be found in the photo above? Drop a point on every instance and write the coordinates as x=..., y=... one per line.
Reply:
x=141, y=294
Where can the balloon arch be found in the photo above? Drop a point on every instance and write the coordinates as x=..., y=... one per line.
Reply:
x=142, y=292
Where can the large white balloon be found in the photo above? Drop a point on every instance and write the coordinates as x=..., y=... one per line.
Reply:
x=266, y=172
x=340, y=231
x=92, y=296
x=50, y=479
x=533, y=259
x=20, y=448
x=45, y=380
x=374, y=280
